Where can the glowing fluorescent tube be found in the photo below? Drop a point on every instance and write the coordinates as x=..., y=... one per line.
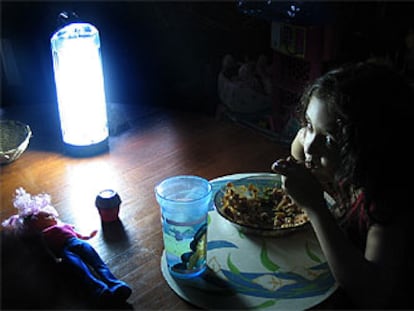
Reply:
x=80, y=84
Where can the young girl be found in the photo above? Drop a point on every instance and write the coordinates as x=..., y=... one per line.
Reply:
x=36, y=216
x=356, y=122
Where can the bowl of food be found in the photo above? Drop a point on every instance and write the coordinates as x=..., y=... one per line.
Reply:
x=14, y=139
x=258, y=205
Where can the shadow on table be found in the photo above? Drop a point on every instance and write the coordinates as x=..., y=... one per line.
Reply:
x=114, y=231
x=32, y=279
x=44, y=121
x=209, y=291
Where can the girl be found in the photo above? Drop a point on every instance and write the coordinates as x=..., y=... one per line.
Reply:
x=356, y=122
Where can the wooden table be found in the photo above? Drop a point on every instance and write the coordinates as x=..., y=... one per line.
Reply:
x=158, y=145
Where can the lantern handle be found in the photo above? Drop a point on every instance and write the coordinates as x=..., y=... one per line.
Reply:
x=66, y=17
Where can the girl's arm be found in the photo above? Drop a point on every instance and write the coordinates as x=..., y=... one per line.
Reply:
x=368, y=278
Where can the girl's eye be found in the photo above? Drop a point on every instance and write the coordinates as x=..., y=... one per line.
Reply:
x=329, y=141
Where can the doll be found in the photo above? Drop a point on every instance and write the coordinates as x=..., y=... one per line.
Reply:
x=36, y=215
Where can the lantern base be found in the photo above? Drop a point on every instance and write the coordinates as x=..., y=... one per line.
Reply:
x=87, y=151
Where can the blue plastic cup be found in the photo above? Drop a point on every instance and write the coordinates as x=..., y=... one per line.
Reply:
x=184, y=202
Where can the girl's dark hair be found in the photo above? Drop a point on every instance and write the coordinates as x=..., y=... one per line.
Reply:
x=371, y=103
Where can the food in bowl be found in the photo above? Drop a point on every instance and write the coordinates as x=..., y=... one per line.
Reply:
x=258, y=205
x=268, y=207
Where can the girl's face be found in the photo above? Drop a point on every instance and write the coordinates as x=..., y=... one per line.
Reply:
x=320, y=145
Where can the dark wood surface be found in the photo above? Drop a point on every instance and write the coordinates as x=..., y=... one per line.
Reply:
x=159, y=145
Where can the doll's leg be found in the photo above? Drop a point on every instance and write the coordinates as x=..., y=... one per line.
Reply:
x=70, y=256
x=92, y=258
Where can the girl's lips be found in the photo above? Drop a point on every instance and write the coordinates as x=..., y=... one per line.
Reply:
x=309, y=164
x=312, y=166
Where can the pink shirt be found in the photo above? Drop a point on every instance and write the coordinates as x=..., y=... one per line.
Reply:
x=56, y=236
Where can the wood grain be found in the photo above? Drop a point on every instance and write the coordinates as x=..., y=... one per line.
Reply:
x=161, y=145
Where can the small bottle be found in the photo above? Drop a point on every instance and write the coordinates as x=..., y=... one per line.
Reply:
x=108, y=203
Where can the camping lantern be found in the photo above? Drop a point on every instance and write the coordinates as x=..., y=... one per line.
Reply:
x=80, y=86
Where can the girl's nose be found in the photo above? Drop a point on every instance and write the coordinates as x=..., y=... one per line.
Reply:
x=309, y=144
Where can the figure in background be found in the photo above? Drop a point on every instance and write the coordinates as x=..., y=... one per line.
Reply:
x=354, y=143
x=36, y=216
x=244, y=87
x=264, y=72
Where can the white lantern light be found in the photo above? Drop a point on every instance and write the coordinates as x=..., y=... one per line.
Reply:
x=80, y=86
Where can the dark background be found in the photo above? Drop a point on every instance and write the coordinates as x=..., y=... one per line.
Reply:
x=170, y=53
x=158, y=52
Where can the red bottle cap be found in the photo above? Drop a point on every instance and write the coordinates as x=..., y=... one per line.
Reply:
x=108, y=202
x=107, y=198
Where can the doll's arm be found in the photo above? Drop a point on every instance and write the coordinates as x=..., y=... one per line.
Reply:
x=71, y=228
x=87, y=237
x=57, y=259
x=49, y=251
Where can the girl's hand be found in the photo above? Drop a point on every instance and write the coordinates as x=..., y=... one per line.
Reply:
x=299, y=183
